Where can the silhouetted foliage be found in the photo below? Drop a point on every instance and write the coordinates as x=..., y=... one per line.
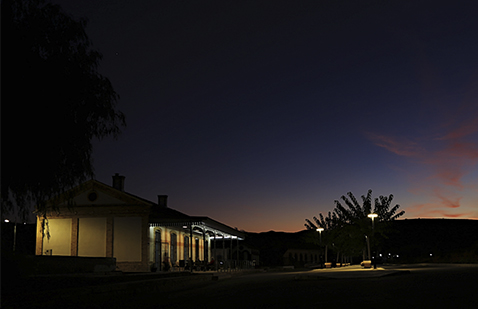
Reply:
x=54, y=103
x=349, y=224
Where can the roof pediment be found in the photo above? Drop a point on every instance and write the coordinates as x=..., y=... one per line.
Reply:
x=93, y=193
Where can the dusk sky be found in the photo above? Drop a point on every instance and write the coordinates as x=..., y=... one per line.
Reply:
x=259, y=114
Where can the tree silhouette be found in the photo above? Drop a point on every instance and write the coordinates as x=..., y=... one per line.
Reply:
x=328, y=234
x=54, y=103
x=349, y=224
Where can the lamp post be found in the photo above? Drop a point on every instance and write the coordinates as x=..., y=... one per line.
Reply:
x=14, y=233
x=320, y=229
x=373, y=216
x=320, y=234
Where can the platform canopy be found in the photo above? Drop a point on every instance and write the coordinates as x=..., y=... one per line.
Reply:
x=165, y=216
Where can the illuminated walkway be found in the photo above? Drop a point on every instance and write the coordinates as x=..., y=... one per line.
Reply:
x=349, y=272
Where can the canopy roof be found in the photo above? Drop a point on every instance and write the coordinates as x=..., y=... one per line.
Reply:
x=164, y=216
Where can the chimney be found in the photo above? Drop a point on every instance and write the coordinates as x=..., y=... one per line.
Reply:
x=118, y=182
x=163, y=201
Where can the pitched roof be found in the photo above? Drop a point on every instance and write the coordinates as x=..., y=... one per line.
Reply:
x=159, y=215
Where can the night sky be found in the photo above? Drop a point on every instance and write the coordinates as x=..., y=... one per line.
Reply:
x=260, y=114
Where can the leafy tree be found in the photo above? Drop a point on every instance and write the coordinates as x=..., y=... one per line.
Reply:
x=350, y=225
x=55, y=102
x=356, y=217
x=327, y=235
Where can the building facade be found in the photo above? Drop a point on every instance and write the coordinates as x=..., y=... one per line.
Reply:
x=301, y=257
x=97, y=220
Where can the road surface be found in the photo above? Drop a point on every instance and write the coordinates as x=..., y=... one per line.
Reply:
x=416, y=286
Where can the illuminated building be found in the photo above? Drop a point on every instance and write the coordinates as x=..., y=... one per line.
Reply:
x=105, y=221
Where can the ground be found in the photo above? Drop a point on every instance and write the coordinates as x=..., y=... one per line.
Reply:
x=408, y=286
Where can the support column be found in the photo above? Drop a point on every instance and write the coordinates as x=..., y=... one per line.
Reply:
x=237, y=252
x=215, y=252
x=204, y=255
x=109, y=236
x=191, y=245
x=74, y=236
x=223, y=251
x=232, y=259
x=40, y=235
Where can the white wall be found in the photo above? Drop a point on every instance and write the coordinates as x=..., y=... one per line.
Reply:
x=127, y=239
x=92, y=237
x=60, y=237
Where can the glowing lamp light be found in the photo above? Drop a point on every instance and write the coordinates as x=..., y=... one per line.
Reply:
x=320, y=229
x=6, y=220
x=372, y=216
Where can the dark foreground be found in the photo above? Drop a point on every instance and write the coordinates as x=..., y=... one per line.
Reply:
x=415, y=286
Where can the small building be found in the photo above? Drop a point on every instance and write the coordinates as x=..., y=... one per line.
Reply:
x=299, y=257
x=241, y=255
x=97, y=220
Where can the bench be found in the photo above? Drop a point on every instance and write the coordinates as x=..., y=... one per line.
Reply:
x=366, y=264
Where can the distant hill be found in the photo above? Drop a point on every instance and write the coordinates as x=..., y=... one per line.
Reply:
x=447, y=240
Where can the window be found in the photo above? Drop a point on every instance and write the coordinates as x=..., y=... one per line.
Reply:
x=206, y=251
x=197, y=249
x=186, y=248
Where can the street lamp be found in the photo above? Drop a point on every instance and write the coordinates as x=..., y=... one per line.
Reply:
x=320, y=234
x=373, y=216
x=320, y=229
